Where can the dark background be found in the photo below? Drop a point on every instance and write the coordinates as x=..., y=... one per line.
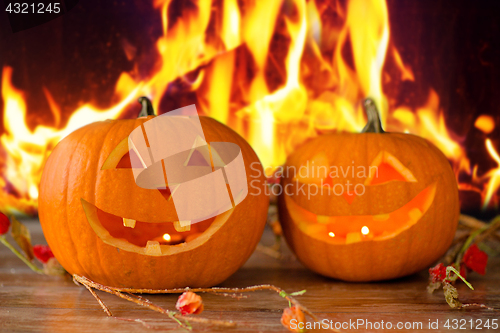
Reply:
x=79, y=56
x=454, y=47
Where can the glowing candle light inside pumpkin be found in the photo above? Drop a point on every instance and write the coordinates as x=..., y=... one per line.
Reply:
x=169, y=239
x=365, y=230
x=331, y=234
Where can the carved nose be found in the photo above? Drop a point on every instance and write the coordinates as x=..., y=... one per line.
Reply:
x=349, y=196
x=166, y=193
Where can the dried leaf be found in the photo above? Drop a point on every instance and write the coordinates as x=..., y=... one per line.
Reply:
x=22, y=236
x=433, y=286
x=451, y=296
x=53, y=267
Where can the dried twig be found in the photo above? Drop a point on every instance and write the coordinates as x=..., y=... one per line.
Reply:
x=455, y=247
x=491, y=231
x=270, y=251
x=148, y=304
x=467, y=305
x=471, y=222
x=137, y=321
x=128, y=294
x=101, y=303
x=217, y=290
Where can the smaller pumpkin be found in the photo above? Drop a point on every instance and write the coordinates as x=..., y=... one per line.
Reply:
x=100, y=224
x=369, y=206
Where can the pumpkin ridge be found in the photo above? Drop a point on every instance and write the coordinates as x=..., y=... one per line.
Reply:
x=126, y=126
x=63, y=200
x=100, y=256
x=79, y=142
x=101, y=268
x=407, y=265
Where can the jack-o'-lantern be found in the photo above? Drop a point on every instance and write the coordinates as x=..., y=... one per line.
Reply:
x=100, y=224
x=369, y=206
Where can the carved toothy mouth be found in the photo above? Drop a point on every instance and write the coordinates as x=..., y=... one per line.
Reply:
x=353, y=229
x=148, y=238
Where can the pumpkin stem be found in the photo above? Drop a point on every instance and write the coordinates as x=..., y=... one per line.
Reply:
x=147, y=107
x=374, y=124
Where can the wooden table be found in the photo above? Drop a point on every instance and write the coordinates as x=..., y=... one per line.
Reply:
x=32, y=302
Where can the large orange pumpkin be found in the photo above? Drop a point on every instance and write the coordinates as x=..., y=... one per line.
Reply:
x=100, y=224
x=370, y=206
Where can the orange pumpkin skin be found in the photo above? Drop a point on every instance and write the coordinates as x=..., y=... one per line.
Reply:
x=404, y=253
x=73, y=172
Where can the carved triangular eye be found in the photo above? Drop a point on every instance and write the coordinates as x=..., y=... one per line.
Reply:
x=197, y=159
x=117, y=155
x=385, y=168
x=130, y=158
x=121, y=157
x=166, y=193
x=199, y=155
x=349, y=196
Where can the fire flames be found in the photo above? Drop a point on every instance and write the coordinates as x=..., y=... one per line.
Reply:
x=278, y=72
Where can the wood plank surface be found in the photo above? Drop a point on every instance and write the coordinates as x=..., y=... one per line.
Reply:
x=35, y=303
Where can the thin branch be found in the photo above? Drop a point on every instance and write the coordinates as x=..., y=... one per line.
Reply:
x=456, y=246
x=479, y=305
x=269, y=251
x=148, y=304
x=145, y=324
x=33, y=267
x=216, y=290
x=104, y=307
x=489, y=232
x=471, y=222
x=137, y=321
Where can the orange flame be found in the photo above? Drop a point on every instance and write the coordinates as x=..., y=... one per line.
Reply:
x=485, y=123
x=493, y=175
x=26, y=149
x=278, y=72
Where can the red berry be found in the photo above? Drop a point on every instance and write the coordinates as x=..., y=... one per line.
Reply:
x=4, y=224
x=43, y=253
x=189, y=303
x=475, y=259
x=438, y=273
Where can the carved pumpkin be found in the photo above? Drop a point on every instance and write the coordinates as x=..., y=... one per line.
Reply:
x=396, y=215
x=99, y=223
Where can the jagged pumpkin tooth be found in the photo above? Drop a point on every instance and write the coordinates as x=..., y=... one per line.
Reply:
x=153, y=248
x=182, y=226
x=129, y=223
